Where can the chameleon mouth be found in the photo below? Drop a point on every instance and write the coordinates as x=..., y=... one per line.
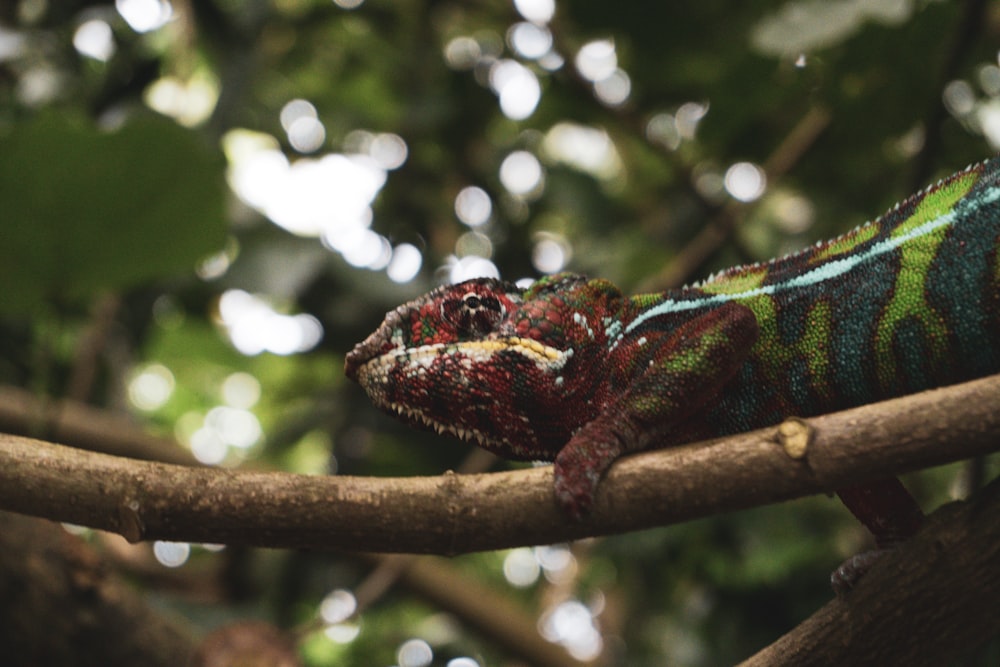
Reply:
x=417, y=416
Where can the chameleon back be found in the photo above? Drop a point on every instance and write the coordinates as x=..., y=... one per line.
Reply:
x=908, y=302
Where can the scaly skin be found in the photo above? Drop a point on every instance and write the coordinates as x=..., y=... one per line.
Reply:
x=571, y=370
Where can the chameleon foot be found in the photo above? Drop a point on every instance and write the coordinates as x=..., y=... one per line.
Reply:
x=850, y=572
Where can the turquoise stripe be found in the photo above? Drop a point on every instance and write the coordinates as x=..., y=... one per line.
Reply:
x=828, y=270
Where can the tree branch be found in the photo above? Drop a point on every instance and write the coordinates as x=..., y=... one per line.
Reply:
x=928, y=602
x=81, y=425
x=62, y=605
x=453, y=513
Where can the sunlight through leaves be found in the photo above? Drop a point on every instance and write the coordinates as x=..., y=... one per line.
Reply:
x=94, y=39
x=414, y=653
x=745, y=181
x=171, y=554
x=145, y=15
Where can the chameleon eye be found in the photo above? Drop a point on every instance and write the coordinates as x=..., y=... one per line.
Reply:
x=473, y=314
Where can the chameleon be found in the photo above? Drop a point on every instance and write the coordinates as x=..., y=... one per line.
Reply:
x=570, y=370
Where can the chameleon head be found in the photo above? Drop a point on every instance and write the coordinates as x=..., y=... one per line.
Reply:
x=462, y=360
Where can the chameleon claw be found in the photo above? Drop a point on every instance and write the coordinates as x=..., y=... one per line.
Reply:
x=850, y=572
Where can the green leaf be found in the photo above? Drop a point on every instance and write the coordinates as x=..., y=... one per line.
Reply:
x=83, y=211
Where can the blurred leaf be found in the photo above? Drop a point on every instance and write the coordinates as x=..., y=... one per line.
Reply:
x=86, y=211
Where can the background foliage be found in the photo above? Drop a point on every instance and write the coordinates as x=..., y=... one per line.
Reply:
x=159, y=187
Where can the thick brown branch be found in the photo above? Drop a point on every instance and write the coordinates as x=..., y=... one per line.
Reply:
x=927, y=603
x=62, y=607
x=461, y=513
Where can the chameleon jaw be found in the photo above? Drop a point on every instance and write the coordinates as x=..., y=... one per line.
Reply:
x=417, y=416
x=428, y=369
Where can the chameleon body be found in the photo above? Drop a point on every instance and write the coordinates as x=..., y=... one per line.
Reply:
x=571, y=370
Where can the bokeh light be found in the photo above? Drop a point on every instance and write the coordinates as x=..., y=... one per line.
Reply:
x=614, y=89
x=171, y=554
x=988, y=114
x=94, y=39
x=529, y=40
x=338, y=606
x=585, y=148
x=362, y=248
x=223, y=432
x=40, y=85
x=462, y=53
x=959, y=98
x=329, y=196
x=521, y=173
x=799, y=27
x=521, y=568
x=709, y=183
x=208, y=447
x=306, y=135
x=473, y=206
x=989, y=79
x=662, y=129
x=688, y=117
x=794, y=213
x=255, y=327
x=294, y=110
x=241, y=390
x=550, y=254
x=517, y=87
x=745, y=181
x=414, y=653
x=151, y=387
x=557, y=561
x=305, y=131
x=145, y=15
x=470, y=267
x=474, y=243
x=464, y=661
x=342, y=633
x=536, y=11
x=405, y=263
x=571, y=624
x=597, y=60
x=12, y=44
x=237, y=427
x=189, y=102
x=388, y=150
